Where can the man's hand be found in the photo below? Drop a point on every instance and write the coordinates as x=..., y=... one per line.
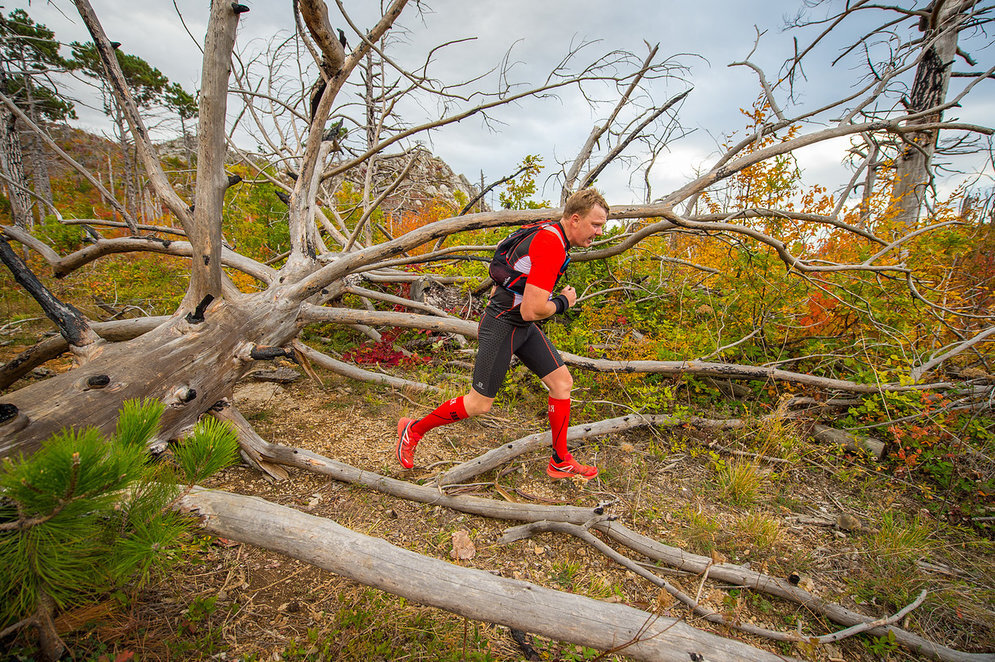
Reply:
x=571, y=295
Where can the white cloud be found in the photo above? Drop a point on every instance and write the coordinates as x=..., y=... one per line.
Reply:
x=719, y=31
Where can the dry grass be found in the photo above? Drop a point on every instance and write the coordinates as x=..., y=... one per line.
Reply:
x=264, y=604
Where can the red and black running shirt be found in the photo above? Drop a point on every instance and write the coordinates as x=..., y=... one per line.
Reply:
x=542, y=257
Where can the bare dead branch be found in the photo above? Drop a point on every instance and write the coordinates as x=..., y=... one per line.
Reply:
x=63, y=266
x=719, y=370
x=70, y=322
x=958, y=348
x=503, y=454
x=469, y=592
x=351, y=371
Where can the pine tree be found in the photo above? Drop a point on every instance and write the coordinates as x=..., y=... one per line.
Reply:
x=148, y=87
x=87, y=514
x=29, y=54
x=184, y=105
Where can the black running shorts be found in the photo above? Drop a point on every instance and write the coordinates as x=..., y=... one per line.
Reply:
x=498, y=340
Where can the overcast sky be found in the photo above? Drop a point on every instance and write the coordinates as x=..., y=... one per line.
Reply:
x=712, y=34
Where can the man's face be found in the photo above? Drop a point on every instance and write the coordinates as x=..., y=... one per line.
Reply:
x=582, y=229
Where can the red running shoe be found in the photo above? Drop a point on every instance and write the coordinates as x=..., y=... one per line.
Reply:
x=406, y=442
x=570, y=468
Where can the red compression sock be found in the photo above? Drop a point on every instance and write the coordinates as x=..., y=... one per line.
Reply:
x=448, y=412
x=559, y=421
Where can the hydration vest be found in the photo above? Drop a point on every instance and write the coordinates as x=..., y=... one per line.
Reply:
x=501, y=270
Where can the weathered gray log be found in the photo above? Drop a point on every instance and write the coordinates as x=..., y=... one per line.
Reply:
x=504, y=453
x=471, y=593
x=524, y=531
x=829, y=403
x=672, y=556
x=851, y=442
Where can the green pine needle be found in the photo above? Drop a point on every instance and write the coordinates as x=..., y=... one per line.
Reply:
x=85, y=513
x=138, y=421
x=211, y=447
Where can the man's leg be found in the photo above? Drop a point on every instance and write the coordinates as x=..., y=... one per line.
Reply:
x=410, y=431
x=451, y=411
x=539, y=354
x=496, y=341
x=560, y=383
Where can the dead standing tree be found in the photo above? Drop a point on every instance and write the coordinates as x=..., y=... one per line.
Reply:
x=192, y=360
x=931, y=52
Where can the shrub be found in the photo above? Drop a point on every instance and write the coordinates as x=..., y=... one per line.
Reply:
x=87, y=513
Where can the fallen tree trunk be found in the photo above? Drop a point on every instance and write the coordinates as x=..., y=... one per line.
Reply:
x=507, y=452
x=471, y=593
x=672, y=556
x=187, y=363
x=48, y=349
x=692, y=367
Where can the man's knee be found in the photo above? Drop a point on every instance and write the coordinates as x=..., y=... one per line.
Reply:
x=476, y=404
x=478, y=408
x=560, y=382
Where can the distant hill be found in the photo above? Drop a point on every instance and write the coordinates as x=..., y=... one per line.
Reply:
x=429, y=180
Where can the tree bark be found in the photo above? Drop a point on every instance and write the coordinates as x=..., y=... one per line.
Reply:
x=468, y=592
x=48, y=638
x=188, y=364
x=11, y=161
x=929, y=89
x=129, y=171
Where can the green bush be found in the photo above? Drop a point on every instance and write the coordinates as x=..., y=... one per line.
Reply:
x=87, y=513
x=63, y=238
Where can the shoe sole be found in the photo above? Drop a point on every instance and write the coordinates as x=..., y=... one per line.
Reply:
x=402, y=425
x=557, y=474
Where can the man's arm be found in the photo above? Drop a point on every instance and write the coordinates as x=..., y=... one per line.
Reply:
x=536, y=304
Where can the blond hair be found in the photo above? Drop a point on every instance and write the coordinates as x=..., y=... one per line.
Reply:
x=583, y=201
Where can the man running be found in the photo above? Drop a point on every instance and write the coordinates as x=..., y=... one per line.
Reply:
x=509, y=327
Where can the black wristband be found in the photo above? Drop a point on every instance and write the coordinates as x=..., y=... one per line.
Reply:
x=561, y=302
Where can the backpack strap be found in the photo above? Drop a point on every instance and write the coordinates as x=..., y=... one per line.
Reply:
x=501, y=270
